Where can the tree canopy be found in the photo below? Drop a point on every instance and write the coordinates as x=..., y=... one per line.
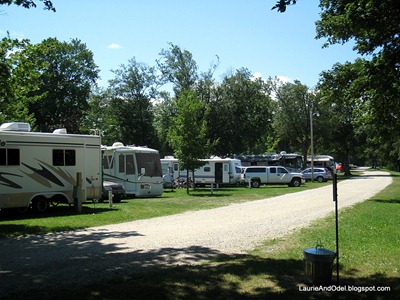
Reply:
x=29, y=3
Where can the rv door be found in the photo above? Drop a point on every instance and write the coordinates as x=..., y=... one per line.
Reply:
x=126, y=171
x=225, y=173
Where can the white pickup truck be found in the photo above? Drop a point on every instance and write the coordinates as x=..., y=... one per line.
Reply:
x=257, y=175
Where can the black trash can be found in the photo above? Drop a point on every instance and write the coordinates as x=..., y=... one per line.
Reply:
x=318, y=264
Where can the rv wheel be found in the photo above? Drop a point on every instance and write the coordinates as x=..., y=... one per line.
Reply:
x=40, y=205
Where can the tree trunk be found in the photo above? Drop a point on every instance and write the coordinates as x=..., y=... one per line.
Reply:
x=187, y=182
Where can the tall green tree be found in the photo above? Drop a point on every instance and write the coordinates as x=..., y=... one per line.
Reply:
x=164, y=112
x=9, y=109
x=240, y=114
x=344, y=91
x=132, y=91
x=188, y=133
x=374, y=26
x=53, y=80
x=99, y=118
x=178, y=67
x=292, y=120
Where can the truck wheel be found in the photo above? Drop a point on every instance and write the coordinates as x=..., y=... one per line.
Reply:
x=296, y=182
x=40, y=205
x=255, y=183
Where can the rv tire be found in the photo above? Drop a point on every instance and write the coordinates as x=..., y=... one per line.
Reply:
x=40, y=204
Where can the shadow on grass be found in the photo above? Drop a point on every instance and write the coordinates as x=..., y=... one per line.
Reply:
x=175, y=273
x=389, y=201
x=53, y=212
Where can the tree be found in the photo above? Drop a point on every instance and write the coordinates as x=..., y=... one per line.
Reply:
x=241, y=110
x=29, y=3
x=344, y=90
x=295, y=103
x=53, y=81
x=163, y=118
x=131, y=93
x=188, y=133
x=374, y=26
x=179, y=68
x=282, y=4
x=9, y=109
x=99, y=118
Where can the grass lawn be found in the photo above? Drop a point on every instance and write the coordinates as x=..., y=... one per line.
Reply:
x=369, y=257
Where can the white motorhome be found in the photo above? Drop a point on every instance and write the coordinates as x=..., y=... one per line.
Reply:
x=37, y=169
x=138, y=169
x=216, y=170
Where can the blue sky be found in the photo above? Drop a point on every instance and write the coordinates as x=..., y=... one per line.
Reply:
x=241, y=33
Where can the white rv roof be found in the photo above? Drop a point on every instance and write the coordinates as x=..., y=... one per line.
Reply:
x=15, y=126
x=118, y=146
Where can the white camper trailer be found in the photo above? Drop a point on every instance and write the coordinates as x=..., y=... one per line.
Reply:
x=224, y=171
x=137, y=168
x=326, y=161
x=37, y=168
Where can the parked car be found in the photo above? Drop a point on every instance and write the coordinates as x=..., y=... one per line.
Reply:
x=257, y=175
x=320, y=174
x=117, y=190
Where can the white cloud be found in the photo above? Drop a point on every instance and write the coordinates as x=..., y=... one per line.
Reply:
x=257, y=75
x=114, y=46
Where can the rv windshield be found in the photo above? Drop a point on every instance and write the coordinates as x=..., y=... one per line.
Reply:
x=151, y=163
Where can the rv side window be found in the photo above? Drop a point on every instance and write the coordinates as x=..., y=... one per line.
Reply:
x=64, y=157
x=207, y=169
x=176, y=167
x=3, y=157
x=130, y=164
x=105, y=163
x=9, y=157
x=121, y=163
x=70, y=157
x=58, y=157
x=108, y=162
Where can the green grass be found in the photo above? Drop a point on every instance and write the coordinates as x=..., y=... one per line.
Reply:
x=369, y=257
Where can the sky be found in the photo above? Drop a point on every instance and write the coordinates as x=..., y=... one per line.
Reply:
x=241, y=33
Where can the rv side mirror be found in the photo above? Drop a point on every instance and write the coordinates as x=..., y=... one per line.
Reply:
x=142, y=171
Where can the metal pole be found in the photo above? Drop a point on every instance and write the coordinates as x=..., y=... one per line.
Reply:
x=110, y=198
x=312, y=141
x=335, y=199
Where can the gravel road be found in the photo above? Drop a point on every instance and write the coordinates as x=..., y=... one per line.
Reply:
x=113, y=251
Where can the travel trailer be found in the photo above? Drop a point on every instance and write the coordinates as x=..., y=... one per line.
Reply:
x=216, y=170
x=326, y=161
x=38, y=169
x=138, y=169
